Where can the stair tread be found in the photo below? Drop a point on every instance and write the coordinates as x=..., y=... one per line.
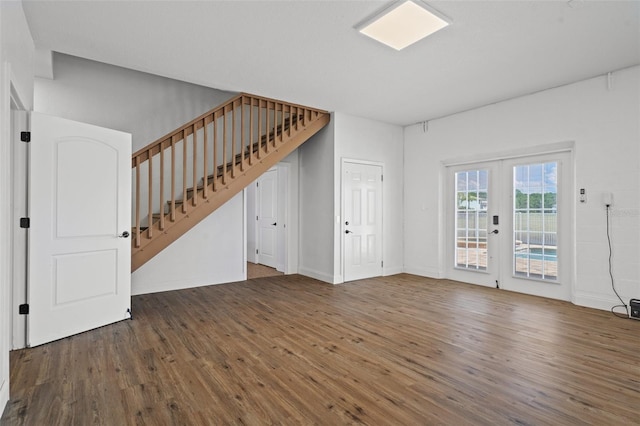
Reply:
x=199, y=187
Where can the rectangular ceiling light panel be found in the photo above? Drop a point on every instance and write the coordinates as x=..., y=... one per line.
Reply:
x=403, y=24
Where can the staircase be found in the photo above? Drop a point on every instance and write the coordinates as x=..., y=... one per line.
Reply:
x=184, y=176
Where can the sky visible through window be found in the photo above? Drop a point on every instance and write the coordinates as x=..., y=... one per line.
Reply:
x=536, y=178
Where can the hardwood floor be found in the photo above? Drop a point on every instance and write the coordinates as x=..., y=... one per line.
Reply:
x=256, y=270
x=291, y=350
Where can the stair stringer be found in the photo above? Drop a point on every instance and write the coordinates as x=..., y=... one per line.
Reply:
x=185, y=221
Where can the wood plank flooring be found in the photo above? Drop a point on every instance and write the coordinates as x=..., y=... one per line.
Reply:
x=256, y=270
x=400, y=350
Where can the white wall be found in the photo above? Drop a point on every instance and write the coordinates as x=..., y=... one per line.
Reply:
x=292, y=216
x=347, y=137
x=212, y=252
x=252, y=206
x=145, y=105
x=16, y=72
x=604, y=124
x=149, y=107
x=363, y=139
x=317, y=164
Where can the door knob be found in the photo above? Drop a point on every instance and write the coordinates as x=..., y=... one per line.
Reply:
x=347, y=232
x=125, y=234
x=274, y=223
x=495, y=231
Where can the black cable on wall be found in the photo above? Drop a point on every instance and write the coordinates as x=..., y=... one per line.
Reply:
x=623, y=305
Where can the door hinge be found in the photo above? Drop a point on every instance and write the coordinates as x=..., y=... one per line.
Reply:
x=23, y=309
x=25, y=136
x=25, y=222
x=256, y=251
x=382, y=263
x=381, y=178
x=256, y=217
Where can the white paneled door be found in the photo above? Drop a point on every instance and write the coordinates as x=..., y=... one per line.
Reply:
x=268, y=218
x=362, y=220
x=80, y=211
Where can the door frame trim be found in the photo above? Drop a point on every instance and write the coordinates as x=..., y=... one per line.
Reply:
x=551, y=148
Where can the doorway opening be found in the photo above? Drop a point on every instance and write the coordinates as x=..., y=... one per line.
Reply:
x=268, y=223
x=256, y=270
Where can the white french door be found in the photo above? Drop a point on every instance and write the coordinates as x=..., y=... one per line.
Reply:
x=80, y=211
x=509, y=224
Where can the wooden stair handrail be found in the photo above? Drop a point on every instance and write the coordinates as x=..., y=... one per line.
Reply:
x=211, y=158
x=154, y=147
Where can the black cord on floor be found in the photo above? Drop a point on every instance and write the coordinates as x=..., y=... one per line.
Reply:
x=623, y=305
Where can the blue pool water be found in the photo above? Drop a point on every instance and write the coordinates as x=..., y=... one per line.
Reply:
x=549, y=255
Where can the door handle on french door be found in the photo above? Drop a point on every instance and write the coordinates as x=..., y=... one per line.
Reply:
x=274, y=223
x=347, y=232
x=495, y=231
x=125, y=234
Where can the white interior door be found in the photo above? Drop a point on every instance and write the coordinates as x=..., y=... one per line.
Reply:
x=80, y=211
x=268, y=218
x=509, y=224
x=362, y=220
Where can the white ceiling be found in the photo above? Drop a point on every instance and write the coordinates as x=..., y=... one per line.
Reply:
x=308, y=51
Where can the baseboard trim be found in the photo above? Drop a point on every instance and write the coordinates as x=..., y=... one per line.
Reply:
x=595, y=301
x=161, y=286
x=423, y=272
x=392, y=271
x=4, y=394
x=312, y=273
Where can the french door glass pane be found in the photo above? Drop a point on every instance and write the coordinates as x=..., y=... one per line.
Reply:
x=535, y=218
x=471, y=219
